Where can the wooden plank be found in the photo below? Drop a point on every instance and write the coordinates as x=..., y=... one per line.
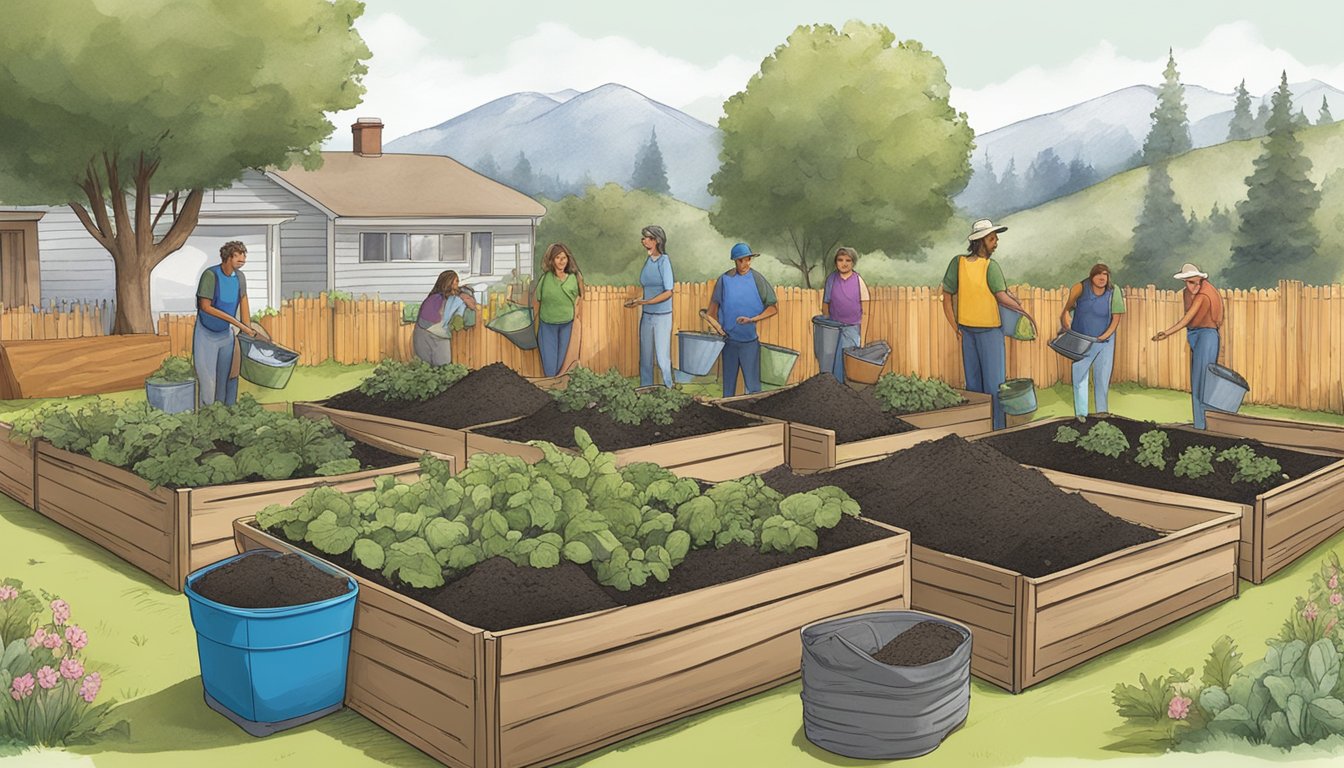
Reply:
x=83, y=366
x=370, y=428
x=810, y=448
x=1278, y=432
x=415, y=731
x=17, y=467
x=974, y=412
x=700, y=448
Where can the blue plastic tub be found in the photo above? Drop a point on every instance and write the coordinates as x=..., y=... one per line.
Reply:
x=697, y=352
x=171, y=397
x=268, y=669
x=825, y=339
x=1224, y=388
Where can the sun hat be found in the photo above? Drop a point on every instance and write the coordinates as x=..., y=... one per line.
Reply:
x=1188, y=271
x=742, y=251
x=983, y=227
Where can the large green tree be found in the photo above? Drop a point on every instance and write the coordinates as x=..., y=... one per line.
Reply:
x=1242, y=124
x=1170, y=134
x=843, y=137
x=1277, y=237
x=1162, y=230
x=106, y=104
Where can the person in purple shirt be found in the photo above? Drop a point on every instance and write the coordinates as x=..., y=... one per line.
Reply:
x=655, y=320
x=432, y=338
x=842, y=301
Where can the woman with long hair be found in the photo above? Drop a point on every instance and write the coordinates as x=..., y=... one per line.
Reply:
x=432, y=338
x=655, y=319
x=559, y=291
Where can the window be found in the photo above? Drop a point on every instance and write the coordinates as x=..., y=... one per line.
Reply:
x=373, y=246
x=398, y=247
x=424, y=248
x=482, y=253
x=453, y=248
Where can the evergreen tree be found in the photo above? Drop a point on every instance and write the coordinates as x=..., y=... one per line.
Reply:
x=650, y=173
x=1161, y=230
x=487, y=167
x=1261, y=120
x=521, y=177
x=1220, y=219
x=1325, y=118
x=1277, y=238
x=1046, y=176
x=1242, y=125
x=1008, y=194
x=1081, y=176
x=1300, y=120
x=1170, y=134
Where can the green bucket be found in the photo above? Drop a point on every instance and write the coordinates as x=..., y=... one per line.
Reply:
x=776, y=364
x=1017, y=397
x=409, y=312
x=266, y=364
x=516, y=325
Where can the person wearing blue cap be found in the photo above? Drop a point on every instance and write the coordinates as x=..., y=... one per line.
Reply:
x=742, y=297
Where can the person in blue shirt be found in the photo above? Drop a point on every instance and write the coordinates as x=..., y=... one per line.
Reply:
x=742, y=298
x=655, y=320
x=221, y=300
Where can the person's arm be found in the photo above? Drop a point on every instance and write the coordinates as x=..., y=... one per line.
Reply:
x=469, y=301
x=767, y=294
x=1190, y=313
x=950, y=310
x=665, y=272
x=209, y=308
x=578, y=298
x=826, y=297
x=246, y=315
x=1075, y=293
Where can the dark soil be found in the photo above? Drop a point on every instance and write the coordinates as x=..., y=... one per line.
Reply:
x=1036, y=446
x=262, y=581
x=822, y=401
x=498, y=595
x=557, y=426
x=492, y=393
x=924, y=643
x=967, y=499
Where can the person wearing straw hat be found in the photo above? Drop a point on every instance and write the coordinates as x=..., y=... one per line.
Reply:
x=655, y=319
x=976, y=286
x=1201, y=321
x=742, y=297
x=1096, y=305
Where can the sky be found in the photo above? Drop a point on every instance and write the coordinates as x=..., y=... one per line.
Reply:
x=435, y=59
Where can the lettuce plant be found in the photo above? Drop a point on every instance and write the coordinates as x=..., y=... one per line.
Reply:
x=1152, y=449
x=913, y=394
x=1195, y=462
x=613, y=394
x=1251, y=467
x=175, y=369
x=1066, y=434
x=412, y=381
x=1104, y=438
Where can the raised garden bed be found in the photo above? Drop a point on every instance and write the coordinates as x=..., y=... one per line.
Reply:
x=1086, y=593
x=832, y=425
x=551, y=690
x=16, y=467
x=437, y=424
x=1280, y=520
x=170, y=532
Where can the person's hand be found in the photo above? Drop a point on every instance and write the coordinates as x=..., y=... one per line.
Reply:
x=744, y=320
x=249, y=331
x=632, y=303
x=1160, y=336
x=958, y=331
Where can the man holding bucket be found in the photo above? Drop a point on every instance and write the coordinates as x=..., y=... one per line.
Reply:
x=742, y=297
x=976, y=288
x=1201, y=321
x=1096, y=305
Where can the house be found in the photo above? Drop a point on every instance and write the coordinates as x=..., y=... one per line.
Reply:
x=364, y=223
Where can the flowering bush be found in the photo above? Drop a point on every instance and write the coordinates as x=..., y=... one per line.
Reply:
x=46, y=694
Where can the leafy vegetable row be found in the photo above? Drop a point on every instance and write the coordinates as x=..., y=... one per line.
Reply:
x=415, y=380
x=1194, y=462
x=616, y=396
x=912, y=394
x=632, y=524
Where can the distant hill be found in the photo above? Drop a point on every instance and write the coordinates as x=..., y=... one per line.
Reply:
x=594, y=135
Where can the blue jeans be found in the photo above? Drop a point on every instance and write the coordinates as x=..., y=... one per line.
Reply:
x=1100, y=359
x=746, y=356
x=553, y=342
x=850, y=336
x=1203, y=351
x=212, y=355
x=655, y=344
x=984, y=361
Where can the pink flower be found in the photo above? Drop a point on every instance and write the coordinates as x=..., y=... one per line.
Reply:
x=52, y=642
x=1333, y=584
x=71, y=669
x=1178, y=708
x=7, y=592
x=39, y=636
x=47, y=678
x=21, y=688
x=1310, y=613
x=1336, y=598
x=60, y=611
x=76, y=637
x=89, y=689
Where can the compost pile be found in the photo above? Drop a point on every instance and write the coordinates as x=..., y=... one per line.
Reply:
x=924, y=643
x=556, y=426
x=967, y=499
x=1036, y=446
x=492, y=393
x=261, y=581
x=822, y=401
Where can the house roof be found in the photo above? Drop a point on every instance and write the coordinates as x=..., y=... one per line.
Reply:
x=348, y=184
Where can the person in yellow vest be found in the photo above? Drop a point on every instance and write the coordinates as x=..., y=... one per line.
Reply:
x=974, y=282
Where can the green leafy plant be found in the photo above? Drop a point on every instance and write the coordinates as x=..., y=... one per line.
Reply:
x=173, y=370
x=1251, y=467
x=1104, y=438
x=1195, y=462
x=614, y=395
x=1152, y=449
x=913, y=394
x=414, y=381
x=264, y=312
x=1066, y=434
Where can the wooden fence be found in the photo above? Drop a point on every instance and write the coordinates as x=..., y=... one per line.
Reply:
x=63, y=320
x=1288, y=341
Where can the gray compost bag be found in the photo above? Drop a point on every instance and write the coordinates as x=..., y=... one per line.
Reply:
x=856, y=706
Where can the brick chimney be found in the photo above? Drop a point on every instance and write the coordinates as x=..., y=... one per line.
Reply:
x=368, y=133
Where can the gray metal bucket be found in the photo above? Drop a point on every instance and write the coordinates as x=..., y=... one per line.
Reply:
x=856, y=706
x=171, y=397
x=825, y=339
x=1224, y=388
x=1072, y=344
x=697, y=351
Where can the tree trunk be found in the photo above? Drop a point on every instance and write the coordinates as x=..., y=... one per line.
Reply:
x=134, y=314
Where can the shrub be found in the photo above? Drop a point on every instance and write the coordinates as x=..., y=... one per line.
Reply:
x=173, y=370
x=415, y=381
x=1251, y=468
x=1066, y=434
x=1104, y=438
x=1152, y=447
x=913, y=394
x=47, y=693
x=613, y=394
x=1195, y=462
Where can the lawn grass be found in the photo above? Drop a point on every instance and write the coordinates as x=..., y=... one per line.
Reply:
x=142, y=640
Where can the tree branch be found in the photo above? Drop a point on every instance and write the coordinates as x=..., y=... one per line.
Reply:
x=93, y=189
x=83, y=215
x=125, y=232
x=177, y=235
x=167, y=199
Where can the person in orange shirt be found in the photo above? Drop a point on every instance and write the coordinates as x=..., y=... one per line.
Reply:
x=976, y=285
x=1201, y=321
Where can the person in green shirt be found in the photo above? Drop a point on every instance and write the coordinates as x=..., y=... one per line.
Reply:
x=557, y=304
x=1096, y=305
